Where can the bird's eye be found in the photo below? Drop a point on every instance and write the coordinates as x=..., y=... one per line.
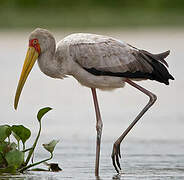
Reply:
x=35, y=41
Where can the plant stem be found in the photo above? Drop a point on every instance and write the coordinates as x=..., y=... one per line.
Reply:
x=25, y=150
x=34, y=164
x=33, y=147
x=18, y=144
x=24, y=146
x=9, y=139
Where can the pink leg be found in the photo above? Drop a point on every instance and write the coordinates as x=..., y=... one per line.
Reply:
x=99, y=126
x=116, y=148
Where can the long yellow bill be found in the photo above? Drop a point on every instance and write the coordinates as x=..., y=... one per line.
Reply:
x=30, y=59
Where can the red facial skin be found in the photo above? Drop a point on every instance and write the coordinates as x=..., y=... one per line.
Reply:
x=34, y=43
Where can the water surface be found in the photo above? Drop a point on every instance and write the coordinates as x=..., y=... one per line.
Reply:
x=152, y=150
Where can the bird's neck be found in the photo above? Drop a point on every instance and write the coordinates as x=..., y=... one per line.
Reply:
x=49, y=65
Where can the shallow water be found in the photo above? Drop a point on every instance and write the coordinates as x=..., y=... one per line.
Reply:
x=152, y=150
x=141, y=160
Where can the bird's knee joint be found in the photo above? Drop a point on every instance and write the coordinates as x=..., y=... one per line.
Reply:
x=99, y=126
x=153, y=98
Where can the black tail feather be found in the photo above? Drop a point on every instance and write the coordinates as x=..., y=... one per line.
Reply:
x=157, y=62
x=160, y=72
x=162, y=55
x=159, y=57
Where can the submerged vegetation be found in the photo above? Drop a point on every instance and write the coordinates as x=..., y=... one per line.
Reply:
x=13, y=157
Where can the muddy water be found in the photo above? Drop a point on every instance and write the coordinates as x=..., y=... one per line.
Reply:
x=154, y=148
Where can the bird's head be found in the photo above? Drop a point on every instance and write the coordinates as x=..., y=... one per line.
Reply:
x=39, y=42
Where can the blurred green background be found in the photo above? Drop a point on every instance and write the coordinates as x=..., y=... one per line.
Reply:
x=18, y=14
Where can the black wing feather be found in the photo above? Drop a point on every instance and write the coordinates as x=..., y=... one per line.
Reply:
x=159, y=73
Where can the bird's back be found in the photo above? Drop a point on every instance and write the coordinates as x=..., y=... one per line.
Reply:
x=105, y=56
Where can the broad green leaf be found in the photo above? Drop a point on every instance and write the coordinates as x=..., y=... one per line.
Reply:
x=50, y=146
x=10, y=169
x=15, y=158
x=5, y=132
x=1, y=160
x=16, y=136
x=42, y=112
x=22, y=132
x=4, y=147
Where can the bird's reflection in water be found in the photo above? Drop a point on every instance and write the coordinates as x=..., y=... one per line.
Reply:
x=114, y=177
x=117, y=177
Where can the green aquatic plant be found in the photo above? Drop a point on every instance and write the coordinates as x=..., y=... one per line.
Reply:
x=13, y=156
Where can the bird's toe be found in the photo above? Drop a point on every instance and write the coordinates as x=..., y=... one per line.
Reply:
x=115, y=157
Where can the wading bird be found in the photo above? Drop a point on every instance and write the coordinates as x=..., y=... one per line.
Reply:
x=96, y=61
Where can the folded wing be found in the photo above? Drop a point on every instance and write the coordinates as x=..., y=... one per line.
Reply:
x=104, y=56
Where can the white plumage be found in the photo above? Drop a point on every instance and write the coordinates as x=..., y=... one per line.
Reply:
x=78, y=51
x=96, y=61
